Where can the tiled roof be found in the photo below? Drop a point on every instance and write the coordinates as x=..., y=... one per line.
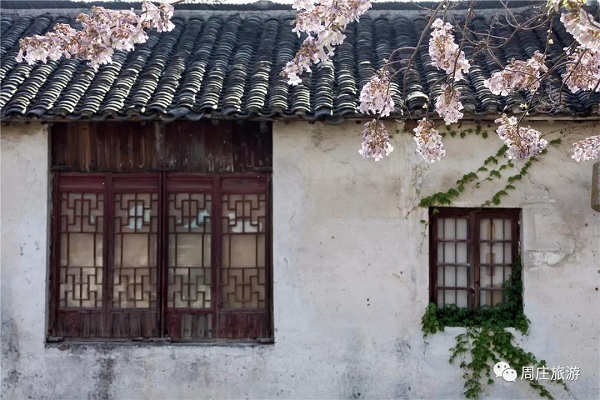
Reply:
x=225, y=63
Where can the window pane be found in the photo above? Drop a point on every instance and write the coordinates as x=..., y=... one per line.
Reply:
x=490, y=297
x=495, y=229
x=452, y=276
x=495, y=258
x=135, y=250
x=453, y=229
x=457, y=297
x=81, y=250
x=508, y=253
x=189, y=254
x=462, y=231
x=243, y=275
x=493, y=253
x=453, y=253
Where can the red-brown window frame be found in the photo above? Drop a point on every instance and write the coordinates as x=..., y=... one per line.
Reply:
x=474, y=216
x=226, y=323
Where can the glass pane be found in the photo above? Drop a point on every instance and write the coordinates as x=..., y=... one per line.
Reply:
x=462, y=276
x=495, y=229
x=507, y=233
x=453, y=253
x=189, y=251
x=449, y=252
x=452, y=276
x=440, y=276
x=508, y=253
x=449, y=228
x=449, y=276
x=462, y=232
x=461, y=298
x=135, y=250
x=456, y=297
x=495, y=253
x=81, y=249
x=490, y=297
x=461, y=253
x=453, y=229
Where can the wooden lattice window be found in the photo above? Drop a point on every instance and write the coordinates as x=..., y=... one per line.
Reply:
x=472, y=253
x=159, y=251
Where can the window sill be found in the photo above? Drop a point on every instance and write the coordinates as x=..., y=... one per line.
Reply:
x=66, y=344
x=456, y=330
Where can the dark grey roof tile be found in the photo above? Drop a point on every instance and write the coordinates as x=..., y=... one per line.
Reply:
x=228, y=66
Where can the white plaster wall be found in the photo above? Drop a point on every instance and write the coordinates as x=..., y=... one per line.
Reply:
x=350, y=280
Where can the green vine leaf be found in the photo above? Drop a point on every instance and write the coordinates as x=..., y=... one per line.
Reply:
x=486, y=340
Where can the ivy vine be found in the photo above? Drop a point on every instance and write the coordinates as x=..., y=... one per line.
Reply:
x=486, y=340
x=495, y=166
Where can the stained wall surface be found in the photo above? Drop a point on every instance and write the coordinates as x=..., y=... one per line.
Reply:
x=351, y=278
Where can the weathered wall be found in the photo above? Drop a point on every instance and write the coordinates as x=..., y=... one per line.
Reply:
x=350, y=280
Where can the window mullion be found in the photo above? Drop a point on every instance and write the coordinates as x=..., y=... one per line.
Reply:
x=475, y=236
x=216, y=250
x=161, y=253
x=269, y=259
x=433, y=250
x=55, y=264
x=108, y=254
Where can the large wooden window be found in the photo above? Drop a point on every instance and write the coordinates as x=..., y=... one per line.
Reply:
x=157, y=254
x=472, y=252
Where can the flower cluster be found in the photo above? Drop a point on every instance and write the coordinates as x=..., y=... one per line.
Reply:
x=375, y=141
x=103, y=32
x=586, y=149
x=522, y=142
x=581, y=25
x=445, y=53
x=375, y=95
x=429, y=141
x=448, y=104
x=583, y=70
x=324, y=23
x=518, y=75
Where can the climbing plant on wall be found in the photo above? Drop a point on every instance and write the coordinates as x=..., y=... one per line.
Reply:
x=486, y=339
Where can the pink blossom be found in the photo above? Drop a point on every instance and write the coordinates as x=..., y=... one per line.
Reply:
x=103, y=31
x=583, y=70
x=448, y=104
x=324, y=23
x=429, y=141
x=583, y=28
x=375, y=96
x=445, y=53
x=522, y=142
x=375, y=141
x=518, y=75
x=586, y=149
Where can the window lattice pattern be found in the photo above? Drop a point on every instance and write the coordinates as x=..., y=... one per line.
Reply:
x=135, y=236
x=189, y=250
x=180, y=256
x=454, y=266
x=495, y=259
x=81, y=249
x=243, y=251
